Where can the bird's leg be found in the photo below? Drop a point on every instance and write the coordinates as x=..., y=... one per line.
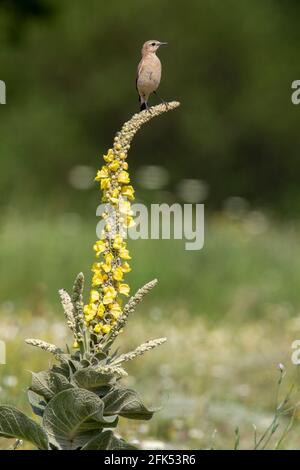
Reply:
x=162, y=100
x=147, y=107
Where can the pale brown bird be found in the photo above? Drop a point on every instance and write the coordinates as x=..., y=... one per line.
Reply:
x=148, y=72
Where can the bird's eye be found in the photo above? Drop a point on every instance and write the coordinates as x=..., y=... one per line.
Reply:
x=153, y=44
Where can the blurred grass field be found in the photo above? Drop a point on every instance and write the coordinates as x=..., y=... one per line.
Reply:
x=230, y=311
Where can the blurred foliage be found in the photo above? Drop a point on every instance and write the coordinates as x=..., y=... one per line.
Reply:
x=70, y=68
x=208, y=378
x=248, y=267
x=19, y=12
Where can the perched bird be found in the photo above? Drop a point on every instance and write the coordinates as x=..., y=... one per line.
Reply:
x=148, y=72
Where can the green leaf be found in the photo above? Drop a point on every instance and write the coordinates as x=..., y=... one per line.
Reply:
x=126, y=403
x=106, y=440
x=72, y=417
x=38, y=406
x=63, y=369
x=48, y=383
x=15, y=424
x=90, y=379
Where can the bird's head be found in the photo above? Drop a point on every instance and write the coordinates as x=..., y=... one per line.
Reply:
x=152, y=46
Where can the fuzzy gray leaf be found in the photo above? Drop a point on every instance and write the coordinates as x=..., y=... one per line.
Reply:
x=106, y=440
x=63, y=369
x=15, y=424
x=48, y=383
x=90, y=379
x=72, y=416
x=126, y=403
x=38, y=406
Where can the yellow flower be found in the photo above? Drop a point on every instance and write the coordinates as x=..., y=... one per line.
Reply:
x=128, y=192
x=110, y=289
x=94, y=296
x=124, y=289
x=113, y=200
x=118, y=242
x=106, y=329
x=125, y=166
x=101, y=310
x=124, y=253
x=90, y=317
x=103, y=173
x=97, y=328
x=98, y=279
x=118, y=274
x=122, y=155
x=75, y=345
x=90, y=309
x=126, y=268
x=109, y=258
x=129, y=222
x=99, y=247
x=96, y=267
x=109, y=295
x=125, y=207
x=114, y=195
x=118, y=147
x=110, y=156
x=90, y=312
x=115, y=310
x=123, y=177
x=114, y=165
x=106, y=267
x=105, y=183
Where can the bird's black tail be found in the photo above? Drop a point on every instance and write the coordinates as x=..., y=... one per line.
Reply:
x=143, y=106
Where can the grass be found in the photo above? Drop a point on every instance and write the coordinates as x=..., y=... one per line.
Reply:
x=230, y=312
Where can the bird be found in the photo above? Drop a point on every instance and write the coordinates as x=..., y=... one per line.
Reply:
x=149, y=72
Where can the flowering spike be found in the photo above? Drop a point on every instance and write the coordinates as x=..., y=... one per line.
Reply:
x=138, y=351
x=51, y=348
x=104, y=309
x=68, y=308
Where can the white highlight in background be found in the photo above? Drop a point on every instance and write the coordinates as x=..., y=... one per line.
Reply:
x=2, y=92
x=2, y=352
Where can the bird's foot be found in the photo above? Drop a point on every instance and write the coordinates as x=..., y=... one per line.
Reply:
x=162, y=100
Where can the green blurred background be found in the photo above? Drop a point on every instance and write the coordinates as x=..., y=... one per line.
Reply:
x=231, y=311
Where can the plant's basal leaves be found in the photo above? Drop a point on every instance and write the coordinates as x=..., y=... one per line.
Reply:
x=72, y=416
x=127, y=403
x=14, y=423
x=90, y=379
x=106, y=440
x=48, y=383
x=37, y=404
x=63, y=369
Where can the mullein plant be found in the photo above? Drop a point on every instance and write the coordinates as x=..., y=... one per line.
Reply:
x=79, y=399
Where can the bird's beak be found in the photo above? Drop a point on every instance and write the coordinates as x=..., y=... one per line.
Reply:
x=163, y=44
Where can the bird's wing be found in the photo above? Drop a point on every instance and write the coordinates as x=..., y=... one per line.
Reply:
x=138, y=73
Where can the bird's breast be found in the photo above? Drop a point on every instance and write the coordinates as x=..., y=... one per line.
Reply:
x=150, y=73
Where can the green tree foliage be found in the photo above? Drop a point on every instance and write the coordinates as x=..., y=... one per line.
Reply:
x=70, y=77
